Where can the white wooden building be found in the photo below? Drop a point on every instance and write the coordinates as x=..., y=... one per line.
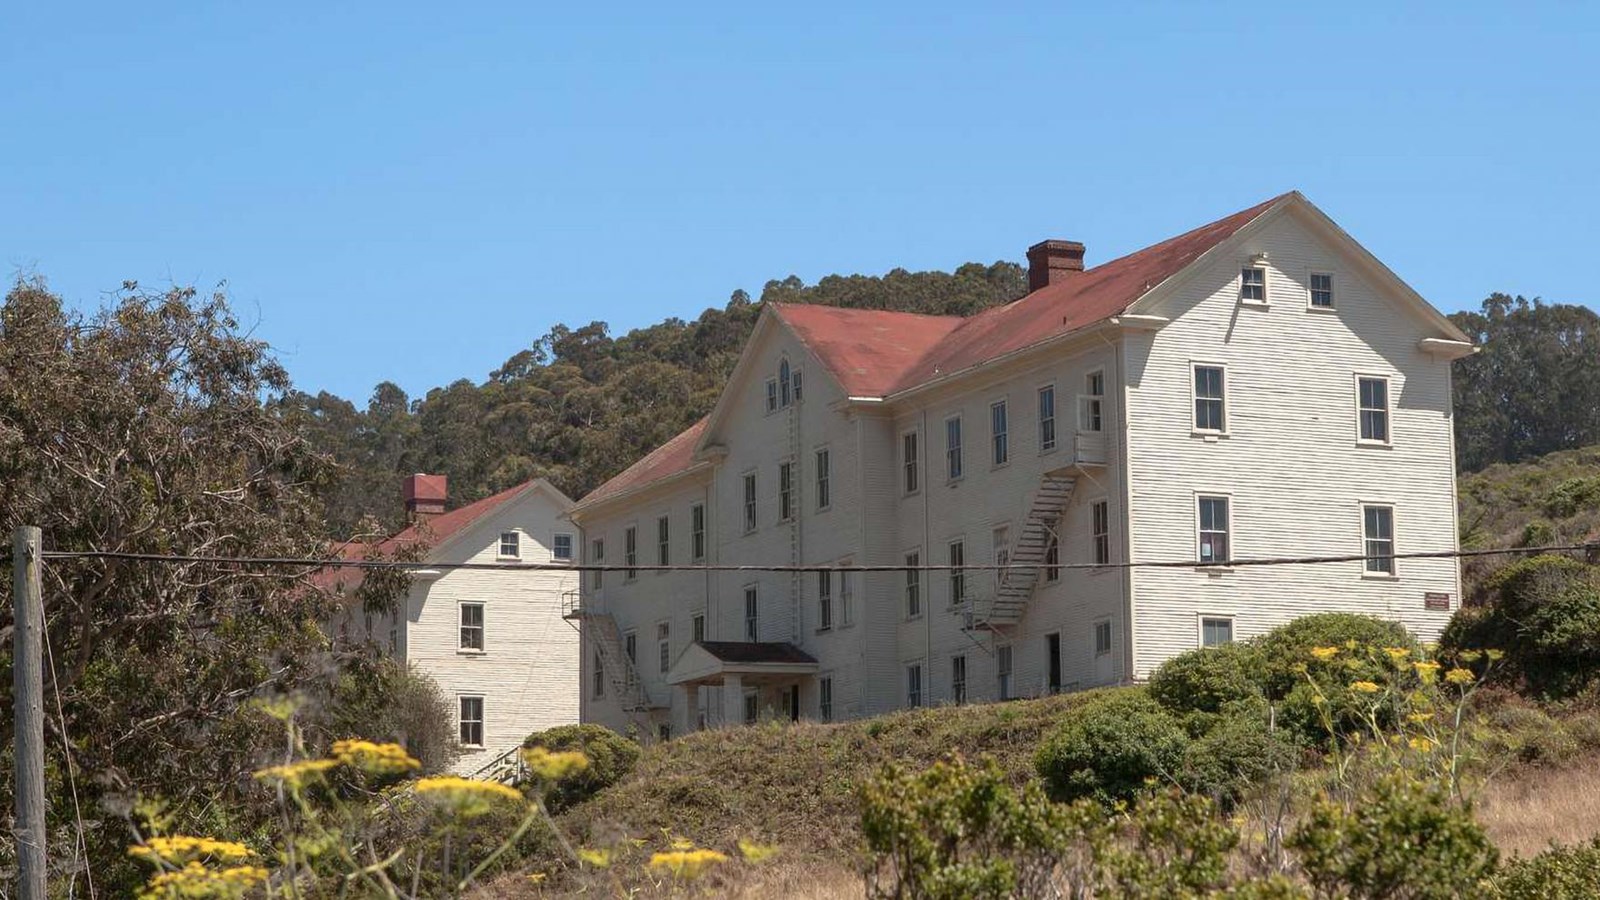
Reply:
x=1259, y=387
x=494, y=640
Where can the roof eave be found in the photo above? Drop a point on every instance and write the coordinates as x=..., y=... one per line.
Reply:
x=587, y=507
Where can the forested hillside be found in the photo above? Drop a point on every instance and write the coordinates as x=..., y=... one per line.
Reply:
x=579, y=404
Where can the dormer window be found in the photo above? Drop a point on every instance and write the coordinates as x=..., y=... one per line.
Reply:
x=510, y=545
x=1253, y=284
x=784, y=385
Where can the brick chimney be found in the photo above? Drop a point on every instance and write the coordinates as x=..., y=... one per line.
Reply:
x=425, y=495
x=1050, y=262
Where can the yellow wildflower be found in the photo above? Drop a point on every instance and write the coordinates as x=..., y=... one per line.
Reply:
x=1397, y=653
x=374, y=759
x=195, y=880
x=682, y=844
x=537, y=877
x=1469, y=656
x=1427, y=670
x=1417, y=718
x=1495, y=655
x=597, y=858
x=181, y=848
x=686, y=864
x=1458, y=676
x=1365, y=687
x=755, y=852
x=554, y=765
x=1422, y=744
x=1350, y=644
x=465, y=797
x=1324, y=653
x=297, y=774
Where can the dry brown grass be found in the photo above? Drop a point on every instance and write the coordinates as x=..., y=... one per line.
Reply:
x=1529, y=811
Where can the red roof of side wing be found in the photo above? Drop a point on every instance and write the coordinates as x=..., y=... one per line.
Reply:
x=668, y=459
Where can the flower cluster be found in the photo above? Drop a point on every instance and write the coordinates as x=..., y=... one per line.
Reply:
x=463, y=796
x=195, y=880
x=686, y=864
x=181, y=848
x=554, y=765
x=374, y=759
x=297, y=775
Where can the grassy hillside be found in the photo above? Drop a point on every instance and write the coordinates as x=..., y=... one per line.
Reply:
x=1554, y=499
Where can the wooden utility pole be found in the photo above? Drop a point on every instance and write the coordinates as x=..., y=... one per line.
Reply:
x=27, y=653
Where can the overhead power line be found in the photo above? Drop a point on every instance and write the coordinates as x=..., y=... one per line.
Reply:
x=416, y=566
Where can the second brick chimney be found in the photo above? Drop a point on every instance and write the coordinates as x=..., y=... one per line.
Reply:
x=425, y=495
x=1050, y=262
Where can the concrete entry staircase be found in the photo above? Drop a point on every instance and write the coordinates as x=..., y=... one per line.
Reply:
x=1016, y=585
x=622, y=677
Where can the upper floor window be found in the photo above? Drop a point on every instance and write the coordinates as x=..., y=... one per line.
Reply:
x=1378, y=531
x=1001, y=545
x=699, y=627
x=823, y=476
x=952, y=447
x=958, y=574
x=914, y=685
x=471, y=626
x=664, y=541
x=598, y=673
x=1216, y=631
x=999, y=434
x=796, y=379
x=597, y=555
x=1253, y=284
x=664, y=646
x=561, y=547
x=824, y=600
x=1372, y=398
x=1321, y=290
x=630, y=552
x=1214, y=530
x=772, y=395
x=510, y=545
x=1052, y=558
x=785, y=491
x=752, y=614
x=750, y=501
x=908, y=460
x=846, y=596
x=1100, y=520
x=1094, y=392
x=784, y=386
x=697, y=531
x=913, y=585
x=1047, y=418
x=1209, y=411
x=630, y=646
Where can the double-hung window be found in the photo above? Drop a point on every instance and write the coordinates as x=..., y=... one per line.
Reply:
x=1047, y=418
x=958, y=574
x=699, y=627
x=510, y=545
x=1214, y=532
x=952, y=447
x=1372, y=400
x=999, y=434
x=750, y=501
x=598, y=674
x=772, y=395
x=472, y=627
x=1253, y=284
x=1100, y=516
x=561, y=547
x=1209, y=399
x=958, y=679
x=783, y=383
x=752, y=622
x=1092, y=403
x=1052, y=558
x=630, y=552
x=630, y=647
x=664, y=541
x=664, y=646
x=908, y=460
x=913, y=585
x=597, y=555
x=785, y=491
x=471, y=721
x=914, y=685
x=1378, y=533
x=824, y=475
x=697, y=531
x=825, y=698
x=1321, y=290
x=846, y=597
x=1102, y=637
x=824, y=600
x=1002, y=666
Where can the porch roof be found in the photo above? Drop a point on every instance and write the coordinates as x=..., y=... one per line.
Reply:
x=706, y=662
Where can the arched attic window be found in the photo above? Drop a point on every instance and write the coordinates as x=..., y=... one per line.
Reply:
x=783, y=382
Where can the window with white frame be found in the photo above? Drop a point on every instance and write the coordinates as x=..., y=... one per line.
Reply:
x=958, y=679
x=1047, y=418
x=597, y=555
x=958, y=575
x=471, y=627
x=846, y=595
x=796, y=379
x=749, y=501
x=908, y=460
x=598, y=676
x=1052, y=558
x=1214, y=531
x=1092, y=404
x=824, y=477
x=913, y=585
x=1253, y=284
x=783, y=383
x=825, y=698
x=510, y=545
x=824, y=599
x=471, y=721
x=699, y=627
x=772, y=395
x=1001, y=543
x=1002, y=667
x=1378, y=531
x=952, y=447
x=999, y=434
x=561, y=547
x=1209, y=401
x=663, y=541
x=752, y=612
x=1100, y=529
x=914, y=685
x=630, y=646
x=1216, y=631
x=785, y=491
x=1322, y=290
x=630, y=552
x=697, y=531
x=664, y=645
x=1372, y=401
x=1102, y=637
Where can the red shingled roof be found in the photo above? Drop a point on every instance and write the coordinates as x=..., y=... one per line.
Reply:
x=866, y=350
x=668, y=459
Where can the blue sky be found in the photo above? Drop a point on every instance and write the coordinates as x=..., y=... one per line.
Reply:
x=416, y=192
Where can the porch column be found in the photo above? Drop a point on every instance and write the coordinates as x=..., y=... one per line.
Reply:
x=732, y=700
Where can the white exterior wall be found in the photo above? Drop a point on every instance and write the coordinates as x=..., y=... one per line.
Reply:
x=528, y=670
x=1290, y=459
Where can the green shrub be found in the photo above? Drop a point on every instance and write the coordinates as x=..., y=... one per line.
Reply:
x=1573, y=496
x=1285, y=648
x=1545, y=615
x=1107, y=748
x=1537, y=533
x=1560, y=873
x=1403, y=838
x=1239, y=747
x=1528, y=734
x=1178, y=849
x=1207, y=679
x=611, y=758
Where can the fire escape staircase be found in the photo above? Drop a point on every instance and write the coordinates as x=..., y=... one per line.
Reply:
x=1016, y=584
x=622, y=676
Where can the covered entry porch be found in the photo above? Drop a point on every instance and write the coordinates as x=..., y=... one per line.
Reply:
x=754, y=677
